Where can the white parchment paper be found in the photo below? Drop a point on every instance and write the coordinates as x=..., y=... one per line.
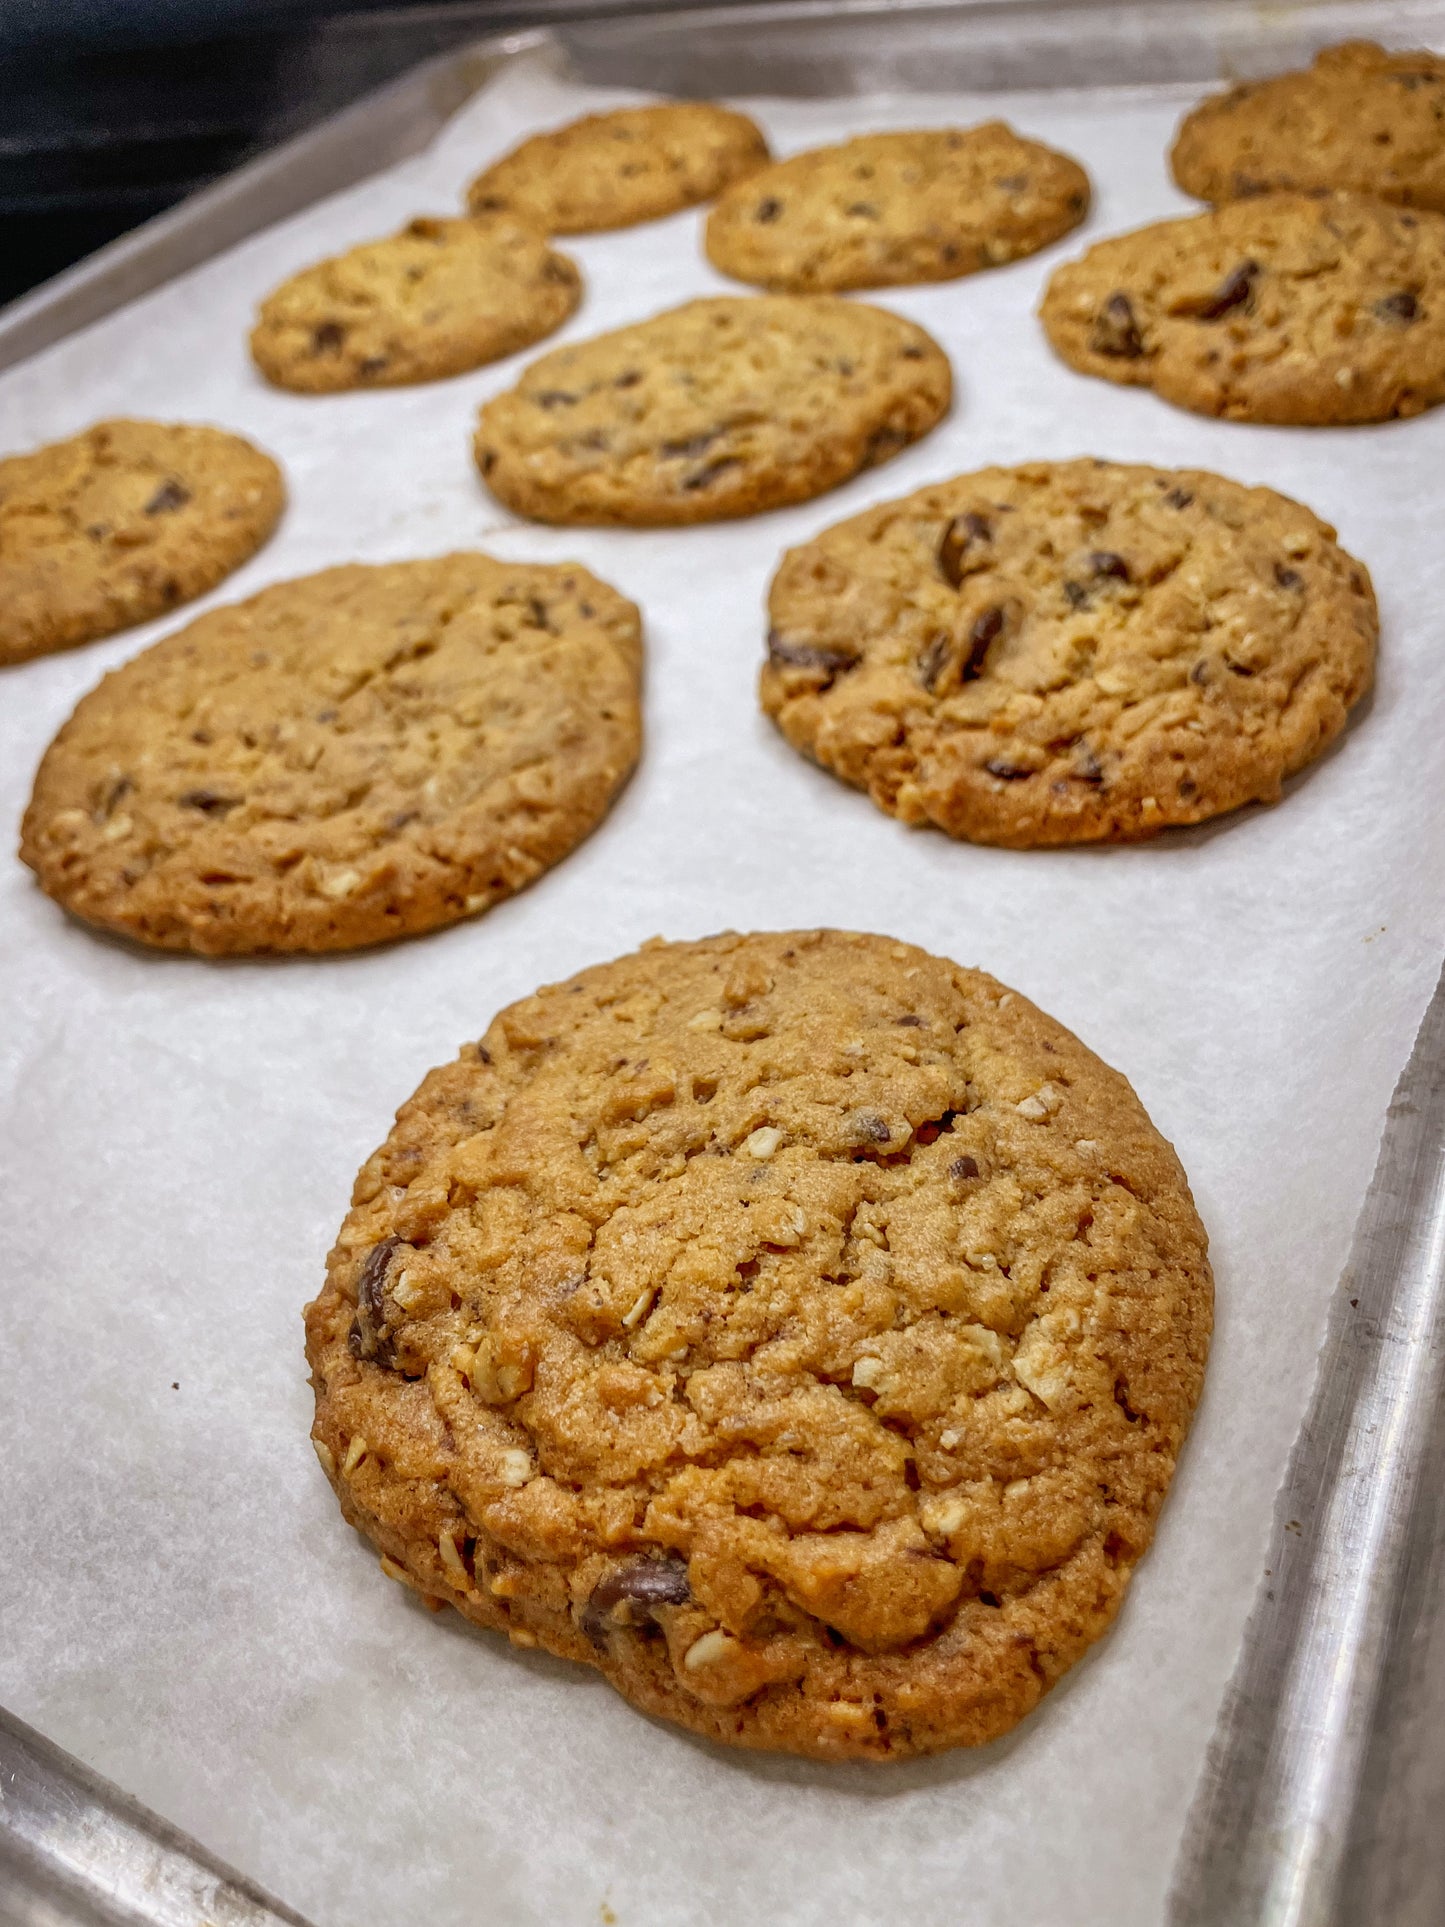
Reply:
x=181, y=1603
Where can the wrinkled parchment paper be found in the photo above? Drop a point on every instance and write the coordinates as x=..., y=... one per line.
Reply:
x=182, y=1605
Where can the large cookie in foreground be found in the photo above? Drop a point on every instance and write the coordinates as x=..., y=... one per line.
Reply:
x=883, y=209
x=122, y=523
x=799, y=1329
x=1068, y=652
x=361, y=754
x=436, y=299
x=610, y=170
x=1360, y=118
x=720, y=408
x=1288, y=308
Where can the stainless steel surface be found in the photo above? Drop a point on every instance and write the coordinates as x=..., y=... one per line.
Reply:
x=77, y=1852
x=1317, y=1802
x=1302, y=1818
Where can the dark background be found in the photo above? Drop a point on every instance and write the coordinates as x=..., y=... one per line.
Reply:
x=110, y=110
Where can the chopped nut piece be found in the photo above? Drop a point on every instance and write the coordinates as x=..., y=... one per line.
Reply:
x=516, y=1466
x=763, y=1142
x=326, y=1457
x=869, y=1372
x=355, y=1453
x=452, y=1559
x=706, y=1020
x=640, y=1307
x=708, y=1650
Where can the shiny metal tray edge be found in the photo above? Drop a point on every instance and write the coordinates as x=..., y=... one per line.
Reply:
x=1309, y=1810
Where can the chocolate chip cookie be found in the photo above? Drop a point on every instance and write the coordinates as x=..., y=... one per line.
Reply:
x=361, y=754
x=888, y=208
x=611, y=170
x=1360, y=118
x=121, y=523
x=1291, y=308
x=435, y=299
x=1069, y=651
x=799, y=1329
x=720, y=408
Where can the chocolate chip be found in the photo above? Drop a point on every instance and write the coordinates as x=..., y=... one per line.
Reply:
x=882, y=443
x=1116, y=331
x=1178, y=498
x=169, y=497
x=962, y=1168
x=706, y=476
x=484, y=1054
x=1234, y=291
x=786, y=654
x=1088, y=768
x=487, y=460
x=210, y=801
x=934, y=659
x=327, y=338
x=1006, y=772
x=1401, y=308
x=1104, y=562
x=373, y=364
x=630, y=1594
x=1012, y=183
x=767, y=210
x=912, y=352
x=629, y=378
x=981, y=638
x=1288, y=578
x=1188, y=787
x=694, y=445
x=556, y=271
x=961, y=542
x=870, y=1128
x=910, y=1021
x=554, y=398
x=368, y=1337
x=1200, y=672
x=1076, y=595
x=864, y=211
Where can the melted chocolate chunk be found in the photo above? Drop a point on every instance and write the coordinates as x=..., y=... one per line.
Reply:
x=1178, y=498
x=1288, y=578
x=1104, y=562
x=882, y=443
x=1076, y=595
x=368, y=1337
x=1116, y=331
x=767, y=210
x=934, y=659
x=210, y=801
x=1234, y=291
x=785, y=654
x=1400, y=308
x=962, y=540
x=630, y=1594
x=1006, y=772
x=326, y=339
x=981, y=638
x=169, y=497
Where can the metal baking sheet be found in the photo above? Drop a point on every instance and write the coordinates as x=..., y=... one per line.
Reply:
x=386, y=1763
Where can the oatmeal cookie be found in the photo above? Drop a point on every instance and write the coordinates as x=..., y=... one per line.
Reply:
x=720, y=408
x=120, y=524
x=799, y=1329
x=1290, y=308
x=882, y=209
x=1069, y=651
x=361, y=754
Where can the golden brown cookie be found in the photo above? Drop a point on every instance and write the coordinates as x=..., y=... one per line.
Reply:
x=888, y=208
x=121, y=523
x=435, y=299
x=720, y=408
x=361, y=754
x=1360, y=118
x=1291, y=308
x=799, y=1329
x=611, y=170
x=1069, y=651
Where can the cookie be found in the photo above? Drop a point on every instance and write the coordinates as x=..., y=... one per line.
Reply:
x=611, y=170
x=799, y=1329
x=361, y=754
x=435, y=299
x=1360, y=118
x=1067, y=652
x=1303, y=310
x=888, y=208
x=719, y=408
x=121, y=523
